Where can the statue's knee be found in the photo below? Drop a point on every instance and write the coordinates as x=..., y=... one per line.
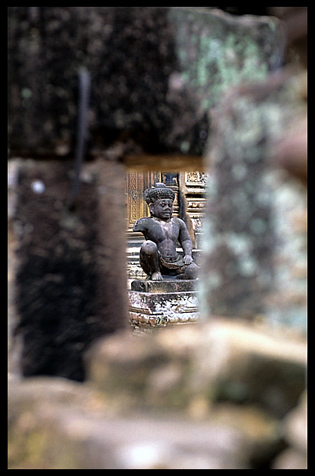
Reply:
x=149, y=248
x=192, y=270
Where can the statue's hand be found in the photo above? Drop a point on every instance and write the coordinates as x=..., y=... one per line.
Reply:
x=188, y=259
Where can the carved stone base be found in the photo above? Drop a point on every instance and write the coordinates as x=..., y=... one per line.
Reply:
x=161, y=303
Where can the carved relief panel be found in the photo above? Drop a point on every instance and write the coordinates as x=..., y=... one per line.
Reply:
x=192, y=186
x=136, y=183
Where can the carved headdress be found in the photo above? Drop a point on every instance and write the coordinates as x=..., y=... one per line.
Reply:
x=157, y=192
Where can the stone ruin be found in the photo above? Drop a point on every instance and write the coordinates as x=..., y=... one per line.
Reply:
x=196, y=89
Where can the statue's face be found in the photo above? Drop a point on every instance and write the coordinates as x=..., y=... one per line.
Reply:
x=162, y=208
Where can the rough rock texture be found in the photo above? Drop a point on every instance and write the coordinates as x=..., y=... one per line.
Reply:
x=66, y=291
x=190, y=397
x=254, y=229
x=155, y=71
x=165, y=286
x=162, y=309
x=161, y=303
x=56, y=425
x=294, y=429
x=216, y=361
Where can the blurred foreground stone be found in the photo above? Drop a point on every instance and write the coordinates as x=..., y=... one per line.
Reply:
x=62, y=278
x=155, y=72
x=294, y=429
x=254, y=240
x=216, y=396
x=217, y=361
x=60, y=425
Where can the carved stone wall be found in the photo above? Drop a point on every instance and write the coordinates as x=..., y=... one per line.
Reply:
x=136, y=183
x=192, y=186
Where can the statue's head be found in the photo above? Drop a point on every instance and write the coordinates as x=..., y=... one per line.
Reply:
x=160, y=200
x=158, y=191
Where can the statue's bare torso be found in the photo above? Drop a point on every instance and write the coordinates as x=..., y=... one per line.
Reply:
x=164, y=233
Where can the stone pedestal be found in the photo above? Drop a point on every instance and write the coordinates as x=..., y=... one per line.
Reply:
x=161, y=303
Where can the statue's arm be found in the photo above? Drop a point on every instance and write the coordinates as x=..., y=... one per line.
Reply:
x=140, y=225
x=185, y=242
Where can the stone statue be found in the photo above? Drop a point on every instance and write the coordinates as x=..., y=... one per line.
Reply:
x=158, y=256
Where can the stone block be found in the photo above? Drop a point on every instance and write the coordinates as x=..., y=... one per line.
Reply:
x=55, y=424
x=290, y=459
x=252, y=248
x=294, y=431
x=155, y=72
x=63, y=279
x=150, y=403
x=161, y=303
x=218, y=361
x=165, y=286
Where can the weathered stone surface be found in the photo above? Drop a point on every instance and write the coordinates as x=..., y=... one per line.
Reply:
x=254, y=254
x=295, y=426
x=155, y=71
x=218, y=361
x=165, y=286
x=294, y=429
x=296, y=25
x=155, y=309
x=151, y=403
x=64, y=281
x=291, y=459
x=57, y=424
x=289, y=149
x=32, y=416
